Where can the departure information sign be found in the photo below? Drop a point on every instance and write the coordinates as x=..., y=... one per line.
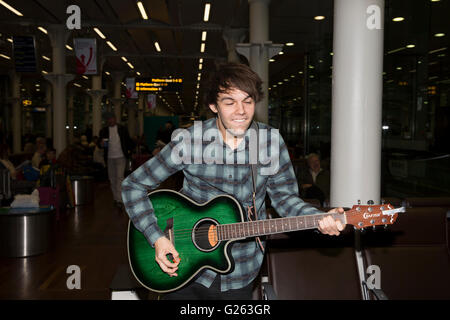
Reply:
x=24, y=53
x=158, y=84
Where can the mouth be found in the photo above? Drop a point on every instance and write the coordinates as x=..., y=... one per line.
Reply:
x=239, y=120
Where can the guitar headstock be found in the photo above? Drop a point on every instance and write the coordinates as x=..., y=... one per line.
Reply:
x=363, y=216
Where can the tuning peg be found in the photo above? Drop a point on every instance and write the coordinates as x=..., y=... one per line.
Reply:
x=385, y=227
x=382, y=201
x=370, y=202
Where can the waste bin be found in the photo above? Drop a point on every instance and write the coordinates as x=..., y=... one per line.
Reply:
x=83, y=189
x=25, y=232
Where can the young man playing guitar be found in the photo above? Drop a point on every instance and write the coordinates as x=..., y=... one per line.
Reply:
x=232, y=93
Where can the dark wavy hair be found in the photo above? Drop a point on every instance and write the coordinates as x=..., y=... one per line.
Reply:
x=229, y=76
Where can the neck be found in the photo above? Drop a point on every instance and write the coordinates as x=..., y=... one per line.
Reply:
x=265, y=227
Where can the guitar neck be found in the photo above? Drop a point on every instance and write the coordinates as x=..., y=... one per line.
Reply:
x=248, y=229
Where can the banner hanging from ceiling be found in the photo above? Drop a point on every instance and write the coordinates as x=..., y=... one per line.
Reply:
x=86, y=55
x=131, y=92
x=151, y=102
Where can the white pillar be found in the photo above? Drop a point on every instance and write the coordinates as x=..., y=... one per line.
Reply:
x=87, y=113
x=16, y=111
x=259, y=61
x=356, y=101
x=58, y=35
x=232, y=37
x=48, y=111
x=97, y=94
x=141, y=109
x=117, y=98
x=70, y=114
x=259, y=51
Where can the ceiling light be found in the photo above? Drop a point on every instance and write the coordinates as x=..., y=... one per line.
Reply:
x=158, y=48
x=138, y=73
x=43, y=30
x=111, y=45
x=200, y=61
x=206, y=13
x=281, y=52
x=69, y=47
x=97, y=30
x=398, y=19
x=200, y=66
x=130, y=65
x=438, y=35
x=46, y=58
x=76, y=85
x=410, y=46
x=396, y=50
x=318, y=18
x=289, y=44
x=272, y=60
x=124, y=59
x=142, y=10
x=202, y=47
x=107, y=73
x=10, y=40
x=437, y=50
x=85, y=77
x=203, y=35
x=5, y=56
x=44, y=72
x=7, y=6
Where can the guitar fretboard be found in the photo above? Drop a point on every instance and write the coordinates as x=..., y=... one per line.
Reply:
x=272, y=226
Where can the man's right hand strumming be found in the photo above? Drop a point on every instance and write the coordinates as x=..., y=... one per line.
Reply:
x=164, y=247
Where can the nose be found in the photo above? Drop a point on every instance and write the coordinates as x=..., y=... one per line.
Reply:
x=240, y=108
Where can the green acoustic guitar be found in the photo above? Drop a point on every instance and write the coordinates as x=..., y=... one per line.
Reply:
x=202, y=234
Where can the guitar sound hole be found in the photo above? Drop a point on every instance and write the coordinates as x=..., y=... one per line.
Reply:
x=200, y=235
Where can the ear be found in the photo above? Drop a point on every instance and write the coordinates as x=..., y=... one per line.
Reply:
x=213, y=108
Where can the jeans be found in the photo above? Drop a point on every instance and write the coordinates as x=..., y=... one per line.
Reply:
x=116, y=170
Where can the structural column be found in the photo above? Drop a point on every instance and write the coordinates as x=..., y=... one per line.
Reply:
x=48, y=111
x=117, y=96
x=356, y=102
x=259, y=51
x=16, y=112
x=58, y=35
x=141, y=108
x=232, y=37
x=87, y=113
x=70, y=114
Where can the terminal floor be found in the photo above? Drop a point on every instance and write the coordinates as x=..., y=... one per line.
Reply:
x=92, y=237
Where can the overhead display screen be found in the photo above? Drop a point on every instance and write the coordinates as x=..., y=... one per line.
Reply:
x=158, y=84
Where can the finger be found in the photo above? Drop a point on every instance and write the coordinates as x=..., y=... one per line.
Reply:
x=163, y=258
x=340, y=225
x=166, y=269
x=331, y=226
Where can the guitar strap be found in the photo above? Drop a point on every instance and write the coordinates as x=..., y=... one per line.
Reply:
x=254, y=171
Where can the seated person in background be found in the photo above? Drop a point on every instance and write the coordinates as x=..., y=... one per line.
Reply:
x=38, y=155
x=315, y=181
x=49, y=159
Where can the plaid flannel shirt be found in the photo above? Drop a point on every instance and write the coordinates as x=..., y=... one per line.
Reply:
x=205, y=181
